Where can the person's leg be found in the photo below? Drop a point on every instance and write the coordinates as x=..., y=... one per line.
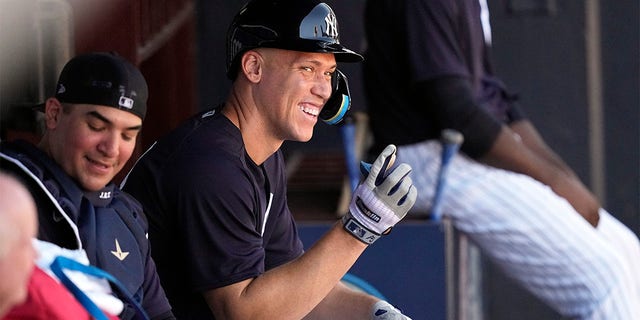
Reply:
x=532, y=234
x=626, y=242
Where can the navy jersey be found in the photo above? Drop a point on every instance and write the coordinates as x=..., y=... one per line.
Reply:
x=215, y=217
x=413, y=48
x=108, y=224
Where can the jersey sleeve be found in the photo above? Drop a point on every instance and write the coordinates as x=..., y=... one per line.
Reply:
x=445, y=51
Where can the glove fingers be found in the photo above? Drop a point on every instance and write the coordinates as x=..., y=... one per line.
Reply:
x=388, y=163
x=400, y=193
x=394, y=180
x=380, y=166
x=383, y=310
x=409, y=200
x=399, y=190
x=385, y=197
x=400, y=196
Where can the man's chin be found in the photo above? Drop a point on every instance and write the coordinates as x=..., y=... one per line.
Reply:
x=94, y=184
x=306, y=137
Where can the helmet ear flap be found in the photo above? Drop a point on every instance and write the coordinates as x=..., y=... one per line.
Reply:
x=340, y=101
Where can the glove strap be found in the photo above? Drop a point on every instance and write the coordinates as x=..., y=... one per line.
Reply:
x=357, y=230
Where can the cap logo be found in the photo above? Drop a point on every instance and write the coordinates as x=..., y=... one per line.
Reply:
x=61, y=88
x=320, y=25
x=332, y=25
x=235, y=45
x=126, y=102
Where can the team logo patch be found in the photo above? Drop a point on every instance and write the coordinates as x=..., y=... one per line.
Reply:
x=121, y=255
x=360, y=232
x=125, y=102
x=331, y=29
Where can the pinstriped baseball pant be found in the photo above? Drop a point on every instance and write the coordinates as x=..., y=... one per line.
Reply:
x=535, y=236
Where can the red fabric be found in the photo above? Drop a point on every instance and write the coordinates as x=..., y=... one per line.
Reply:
x=50, y=300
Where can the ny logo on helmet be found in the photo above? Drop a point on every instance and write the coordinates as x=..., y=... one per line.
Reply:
x=332, y=25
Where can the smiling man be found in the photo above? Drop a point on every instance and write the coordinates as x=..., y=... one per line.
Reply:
x=214, y=189
x=91, y=127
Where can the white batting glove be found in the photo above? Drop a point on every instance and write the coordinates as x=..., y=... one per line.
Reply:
x=381, y=200
x=382, y=310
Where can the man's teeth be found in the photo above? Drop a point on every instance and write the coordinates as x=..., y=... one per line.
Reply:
x=310, y=111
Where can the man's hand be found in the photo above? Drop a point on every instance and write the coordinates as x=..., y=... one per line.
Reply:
x=582, y=200
x=381, y=200
x=383, y=310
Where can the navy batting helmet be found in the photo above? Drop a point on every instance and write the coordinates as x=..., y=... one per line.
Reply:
x=299, y=25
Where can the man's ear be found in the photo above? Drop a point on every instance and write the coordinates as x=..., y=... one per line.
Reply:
x=251, y=65
x=52, y=112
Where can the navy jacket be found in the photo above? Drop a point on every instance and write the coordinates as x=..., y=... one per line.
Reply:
x=108, y=224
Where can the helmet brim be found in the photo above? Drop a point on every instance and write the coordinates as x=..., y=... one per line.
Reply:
x=342, y=54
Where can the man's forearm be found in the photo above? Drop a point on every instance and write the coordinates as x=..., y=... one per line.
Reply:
x=292, y=290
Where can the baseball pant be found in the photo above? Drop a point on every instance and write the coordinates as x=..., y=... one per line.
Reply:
x=534, y=236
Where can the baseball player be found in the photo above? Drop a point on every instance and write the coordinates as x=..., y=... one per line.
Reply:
x=92, y=124
x=427, y=69
x=214, y=189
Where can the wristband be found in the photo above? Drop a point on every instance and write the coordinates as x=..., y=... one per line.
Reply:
x=359, y=231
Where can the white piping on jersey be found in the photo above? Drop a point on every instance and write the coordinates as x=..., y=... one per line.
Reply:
x=486, y=25
x=266, y=214
x=134, y=165
x=208, y=114
x=126, y=177
x=46, y=191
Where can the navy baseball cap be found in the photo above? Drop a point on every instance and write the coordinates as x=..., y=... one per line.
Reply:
x=103, y=78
